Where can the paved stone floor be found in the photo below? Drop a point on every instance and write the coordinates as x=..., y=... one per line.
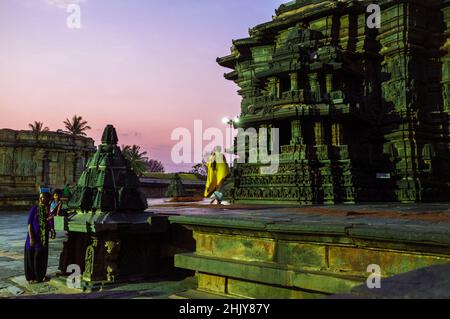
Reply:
x=424, y=222
x=428, y=219
x=14, y=285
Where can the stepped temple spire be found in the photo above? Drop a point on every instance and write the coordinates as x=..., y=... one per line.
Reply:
x=108, y=184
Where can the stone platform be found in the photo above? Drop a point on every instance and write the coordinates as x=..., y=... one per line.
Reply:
x=13, y=283
x=270, y=252
x=307, y=252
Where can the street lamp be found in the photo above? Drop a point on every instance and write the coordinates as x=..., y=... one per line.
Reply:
x=230, y=122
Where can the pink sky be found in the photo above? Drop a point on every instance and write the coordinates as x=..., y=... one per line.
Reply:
x=146, y=67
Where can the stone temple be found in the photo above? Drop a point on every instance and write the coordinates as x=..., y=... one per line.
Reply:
x=110, y=235
x=363, y=113
x=29, y=161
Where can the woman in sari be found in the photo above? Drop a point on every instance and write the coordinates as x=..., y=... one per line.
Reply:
x=40, y=226
x=218, y=171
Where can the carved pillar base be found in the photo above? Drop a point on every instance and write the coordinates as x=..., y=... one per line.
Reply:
x=112, y=250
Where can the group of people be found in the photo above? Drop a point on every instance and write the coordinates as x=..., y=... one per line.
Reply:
x=41, y=217
x=40, y=230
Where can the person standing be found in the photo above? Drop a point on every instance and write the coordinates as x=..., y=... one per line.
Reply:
x=56, y=203
x=218, y=171
x=40, y=228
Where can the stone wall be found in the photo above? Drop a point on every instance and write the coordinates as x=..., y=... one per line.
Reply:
x=29, y=160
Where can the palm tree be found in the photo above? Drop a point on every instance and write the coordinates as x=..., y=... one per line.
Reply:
x=77, y=126
x=38, y=127
x=155, y=166
x=137, y=160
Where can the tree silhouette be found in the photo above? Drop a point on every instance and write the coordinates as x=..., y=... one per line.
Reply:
x=199, y=169
x=137, y=159
x=155, y=166
x=77, y=126
x=38, y=127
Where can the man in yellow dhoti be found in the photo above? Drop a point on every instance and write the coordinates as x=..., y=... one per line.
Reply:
x=218, y=171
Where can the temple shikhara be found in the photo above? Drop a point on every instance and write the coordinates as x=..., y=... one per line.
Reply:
x=362, y=113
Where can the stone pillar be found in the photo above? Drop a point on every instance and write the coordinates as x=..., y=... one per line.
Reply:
x=337, y=136
x=344, y=31
x=68, y=169
x=277, y=87
x=314, y=85
x=296, y=129
x=46, y=168
x=446, y=60
x=269, y=137
x=294, y=81
x=271, y=86
x=39, y=160
x=6, y=166
x=79, y=165
x=54, y=173
x=43, y=168
x=329, y=83
x=319, y=133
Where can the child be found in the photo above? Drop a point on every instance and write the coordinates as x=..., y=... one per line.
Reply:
x=56, y=204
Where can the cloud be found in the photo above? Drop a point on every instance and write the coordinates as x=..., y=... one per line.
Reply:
x=63, y=4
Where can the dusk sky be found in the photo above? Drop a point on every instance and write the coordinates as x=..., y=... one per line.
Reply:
x=145, y=66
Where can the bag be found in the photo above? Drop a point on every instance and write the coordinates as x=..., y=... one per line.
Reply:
x=218, y=195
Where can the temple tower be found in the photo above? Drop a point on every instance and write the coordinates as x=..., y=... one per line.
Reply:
x=362, y=112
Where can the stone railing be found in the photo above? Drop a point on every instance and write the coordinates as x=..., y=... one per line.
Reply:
x=318, y=152
x=289, y=97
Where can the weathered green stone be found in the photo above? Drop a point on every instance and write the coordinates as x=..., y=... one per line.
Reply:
x=303, y=255
x=110, y=236
x=176, y=188
x=108, y=184
x=30, y=160
x=363, y=113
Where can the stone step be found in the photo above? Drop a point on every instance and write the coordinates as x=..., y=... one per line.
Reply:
x=424, y=283
x=198, y=294
x=250, y=279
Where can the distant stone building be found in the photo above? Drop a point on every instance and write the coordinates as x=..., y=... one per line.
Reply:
x=156, y=185
x=363, y=112
x=29, y=160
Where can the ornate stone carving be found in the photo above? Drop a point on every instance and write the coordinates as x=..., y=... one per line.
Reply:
x=351, y=104
x=29, y=160
x=89, y=261
x=111, y=259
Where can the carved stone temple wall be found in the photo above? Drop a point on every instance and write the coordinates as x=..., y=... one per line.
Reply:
x=29, y=161
x=363, y=113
